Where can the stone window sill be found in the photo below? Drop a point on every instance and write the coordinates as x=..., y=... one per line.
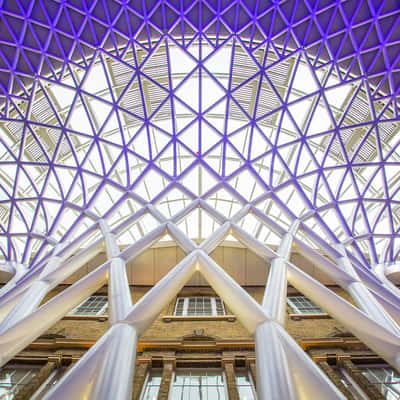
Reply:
x=298, y=317
x=173, y=318
x=100, y=317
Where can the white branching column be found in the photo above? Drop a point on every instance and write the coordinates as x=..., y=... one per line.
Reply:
x=115, y=377
x=32, y=291
x=363, y=297
x=273, y=374
x=34, y=295
x=378, y=338
x=19, y=271
x=66, y=259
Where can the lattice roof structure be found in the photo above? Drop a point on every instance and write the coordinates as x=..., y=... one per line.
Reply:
x=273, y=116
x=293, y=106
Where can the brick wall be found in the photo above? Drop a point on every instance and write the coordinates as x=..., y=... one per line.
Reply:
x=189, y=352
x=93, y=328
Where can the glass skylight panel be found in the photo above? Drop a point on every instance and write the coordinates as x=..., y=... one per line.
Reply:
x=304, y=80
x=95, y=80
x=79, y=120
x=220, y=61
x=63, y=94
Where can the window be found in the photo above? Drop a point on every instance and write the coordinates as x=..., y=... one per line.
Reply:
x=198, y=384
x=351, y=385
x=152, y=385
x=13, y=378
x=49, y=383
x=386, y=380
x=245, y=385
x=198, y=306
x=94, y=305
x=303, y=305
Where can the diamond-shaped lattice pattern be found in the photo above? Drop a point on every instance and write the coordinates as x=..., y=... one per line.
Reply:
x=264, y=105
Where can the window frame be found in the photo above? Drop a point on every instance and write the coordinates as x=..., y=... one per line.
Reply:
x=298, y=311
x=383, y=387
x=32, y=370
x=49, y=383
x=190, y=370
x=101, y=311
x=145, y=384
x=186, y=300
x=245, y=372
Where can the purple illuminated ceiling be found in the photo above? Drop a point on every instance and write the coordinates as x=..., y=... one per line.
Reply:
x=292, y=106
x=362, y=37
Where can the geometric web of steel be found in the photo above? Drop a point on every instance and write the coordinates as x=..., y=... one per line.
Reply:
x=221, y=121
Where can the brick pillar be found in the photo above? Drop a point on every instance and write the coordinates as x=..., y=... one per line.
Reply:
x=231, y=380
x=139, y=379
x=26, y=391
x=335, y=378
x=370, y=389
x=166, y=380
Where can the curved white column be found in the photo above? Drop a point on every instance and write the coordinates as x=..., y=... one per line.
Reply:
x=52, y=274
x=78, y=382
x=146, y=310
x=119, y=294
x=21, y=334
x=239, y=301
x=363, y=297
x=309, y=381
x=115, y=379
x=34, y=295
x=274, y=301
x=19, y=271
x=274, y=379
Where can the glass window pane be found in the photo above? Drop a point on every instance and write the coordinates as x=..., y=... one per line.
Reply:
x=94, y=305
x=303, y=305
x=245, y=385
x=199, y=306
x=13, y=378
x=152, y=386
x=386, y=380
x=199, y=384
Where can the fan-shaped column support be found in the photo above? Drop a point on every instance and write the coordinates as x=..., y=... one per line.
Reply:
x=273, y=344
x=119, y=297
x=114, y=378
x=375, y=336
x=19, y=271
x=341, y=274
x=26, y=297
x=22, y=333
x=71, y=258
x=379, y=270
x=106, y=370
x=34, y=294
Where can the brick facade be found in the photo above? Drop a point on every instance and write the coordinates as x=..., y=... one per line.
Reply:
x=202, y=342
